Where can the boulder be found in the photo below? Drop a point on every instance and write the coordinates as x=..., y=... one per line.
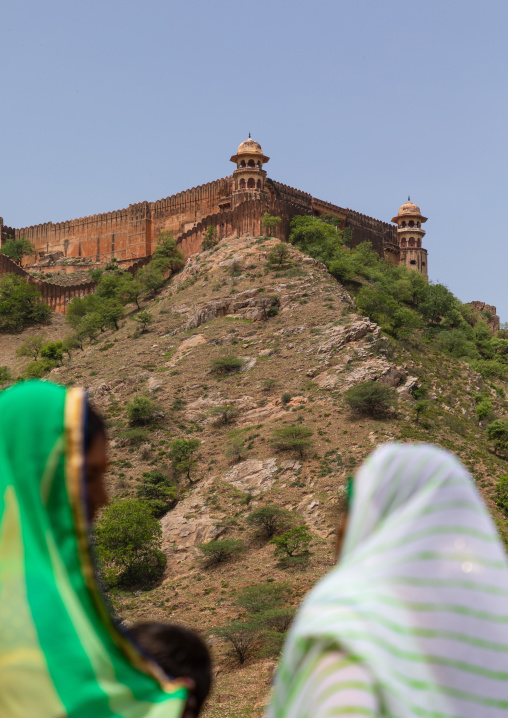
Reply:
x=253, y=474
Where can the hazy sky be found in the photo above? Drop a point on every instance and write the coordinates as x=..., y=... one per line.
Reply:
x=359, y=102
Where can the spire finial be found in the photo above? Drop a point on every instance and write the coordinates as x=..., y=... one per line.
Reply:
x=249, y=135
x=408, y=197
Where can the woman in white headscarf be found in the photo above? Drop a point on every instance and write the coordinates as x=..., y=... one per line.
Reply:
x=413, y=620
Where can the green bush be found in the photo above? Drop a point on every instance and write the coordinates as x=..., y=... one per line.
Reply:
x=286, y=398
x=134, y=437
x=128, y=539
x=144, y=319
x=141, y=410
x=293, y=543
x=371, y=398
x=236, y=449
x=292, y=438
x=262, y=597
x=16, y=249
x=183, y=455
x=484, y=409
x=158, y=490
x=497, y=432
x=37, y=369
x=225, y=414
x=227, y=364
x=270, y=520
x=278, y=256
x=53, y=351
x=210, y=238
x=21, y=305
x=242, y=636
x=31, y=347
x=5, y=375
x=502, y=494
x=220, y=550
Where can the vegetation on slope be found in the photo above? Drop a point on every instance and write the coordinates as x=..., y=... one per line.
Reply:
x=242, y=389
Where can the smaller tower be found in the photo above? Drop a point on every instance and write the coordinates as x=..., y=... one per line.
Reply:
x=249, y=174
x=409, y=237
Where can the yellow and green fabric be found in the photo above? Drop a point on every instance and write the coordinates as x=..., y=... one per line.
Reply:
x=60, y=652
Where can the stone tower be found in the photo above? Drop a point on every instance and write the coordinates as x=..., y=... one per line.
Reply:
x=409, y=237
x=249, y=159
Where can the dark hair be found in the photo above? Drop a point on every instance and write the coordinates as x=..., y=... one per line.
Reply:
x=180, y=652
x=94, y=425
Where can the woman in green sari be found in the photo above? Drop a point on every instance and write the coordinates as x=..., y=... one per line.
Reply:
x=60, y=652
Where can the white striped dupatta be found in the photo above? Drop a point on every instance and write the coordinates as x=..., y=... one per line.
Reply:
x=420, y=595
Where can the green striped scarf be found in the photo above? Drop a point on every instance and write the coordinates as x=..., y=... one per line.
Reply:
x=60, y=654
x=420, y=595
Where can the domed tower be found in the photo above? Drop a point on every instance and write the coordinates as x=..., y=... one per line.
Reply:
x=410, y=235
x=249, y=173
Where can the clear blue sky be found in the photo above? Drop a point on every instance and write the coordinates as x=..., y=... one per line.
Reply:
x=359, y=102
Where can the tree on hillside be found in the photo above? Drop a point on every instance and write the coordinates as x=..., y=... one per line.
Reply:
x=270, y=520
x=183, y=455
x=270, y=223
x=210, y=238
x=293, y=438
x=278, y=255
x=167, y=255
x=370, y=398
x=16, y=249
x=129, y=543
x=53, y=352
x=31, y=347
x=159, y=490
x=21, y=304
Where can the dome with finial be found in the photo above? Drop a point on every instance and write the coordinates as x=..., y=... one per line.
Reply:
x=409, y=209
x=250, y=147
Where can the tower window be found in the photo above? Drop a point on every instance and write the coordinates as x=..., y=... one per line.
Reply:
x=402, y=224
x=242, y=163
x=411, y=241
x=411, y=223
x=418, y=242
x=412, y=261
x=251, y=163
x=251, y=183
x=242, y=184
x=403, y=243
x=258, y=184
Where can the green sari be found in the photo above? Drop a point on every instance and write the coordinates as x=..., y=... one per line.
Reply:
x=60, y=652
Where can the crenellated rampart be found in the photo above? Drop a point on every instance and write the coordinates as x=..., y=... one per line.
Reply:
x=56, y=296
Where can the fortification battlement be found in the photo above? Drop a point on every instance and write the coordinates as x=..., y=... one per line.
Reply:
x=130, y=234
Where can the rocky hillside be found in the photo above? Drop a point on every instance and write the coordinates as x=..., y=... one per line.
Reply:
x=301, y=345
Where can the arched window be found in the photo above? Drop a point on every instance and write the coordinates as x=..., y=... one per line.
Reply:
x=411, y=241
x=412, y=261
x=251, y=183
x=258, y=164
x=402, y=224
x=242, y=184
x=242, y=163
x=403, y=242
x=258, y=184
x=418, y=224
x=418, y=242
x=251, y=163
x=411, y=223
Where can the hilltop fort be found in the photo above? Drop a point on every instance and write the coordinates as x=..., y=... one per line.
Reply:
x=234, y=205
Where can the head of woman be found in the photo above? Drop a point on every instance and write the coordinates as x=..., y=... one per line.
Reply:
x=56, y=635
x=419, y=592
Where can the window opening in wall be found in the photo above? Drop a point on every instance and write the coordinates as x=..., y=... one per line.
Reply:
x=418, y=242
x=403, y=243
x=251, y=163
x=411, y=241
x=251, y=183
x=411, y=223
x=242, y=184
x=412, y=261
x=242, y=163
x=258, y=184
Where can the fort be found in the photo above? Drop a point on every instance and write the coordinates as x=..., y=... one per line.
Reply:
x=233, y=205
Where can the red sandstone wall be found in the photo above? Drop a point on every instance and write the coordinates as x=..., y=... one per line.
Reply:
x=56, y=296
x=127, y=233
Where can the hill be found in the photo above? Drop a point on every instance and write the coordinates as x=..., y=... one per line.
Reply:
x=296, y=344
